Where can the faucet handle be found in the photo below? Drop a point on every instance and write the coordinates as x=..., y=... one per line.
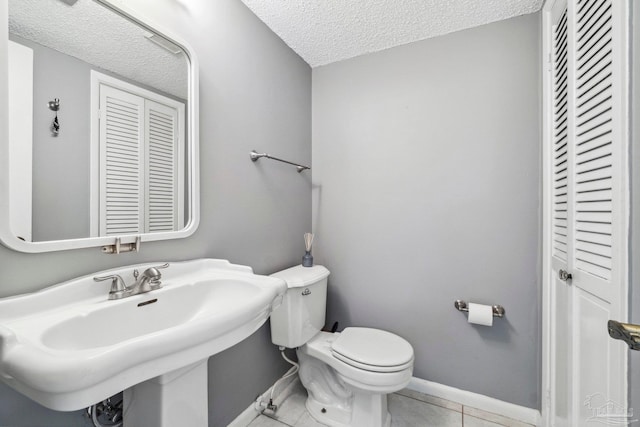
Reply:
x=117, y=284
x=154, y=275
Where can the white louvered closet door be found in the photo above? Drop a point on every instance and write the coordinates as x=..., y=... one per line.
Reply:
x=121, y=161
x=164, y=168
x=560, y=138
x=599, y=234
x=586, y=190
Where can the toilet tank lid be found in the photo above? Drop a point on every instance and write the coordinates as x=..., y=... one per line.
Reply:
x=299, y=276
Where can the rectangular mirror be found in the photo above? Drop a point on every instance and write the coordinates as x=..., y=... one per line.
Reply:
x=99, y=127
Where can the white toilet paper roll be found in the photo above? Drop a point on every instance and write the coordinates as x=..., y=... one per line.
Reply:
x=480, y=314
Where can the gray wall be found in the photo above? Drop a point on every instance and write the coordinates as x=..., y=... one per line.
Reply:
x=426, y=174
x=254, y=93
x=60, y=164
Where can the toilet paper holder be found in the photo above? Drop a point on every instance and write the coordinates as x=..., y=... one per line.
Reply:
x=498, y=310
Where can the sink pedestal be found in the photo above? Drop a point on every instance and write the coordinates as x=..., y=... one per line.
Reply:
x=177, y=398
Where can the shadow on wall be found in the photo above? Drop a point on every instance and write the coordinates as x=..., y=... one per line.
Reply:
x=500, y=332
x=316, y=202
x=337, y=304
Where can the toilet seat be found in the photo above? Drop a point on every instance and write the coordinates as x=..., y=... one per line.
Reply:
x=373, y=350
x=319, y=347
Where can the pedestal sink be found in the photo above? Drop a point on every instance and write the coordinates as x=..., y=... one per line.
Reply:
x=68, y=346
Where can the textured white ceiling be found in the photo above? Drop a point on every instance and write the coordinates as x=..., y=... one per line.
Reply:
x=96, y=35
x=326, y=31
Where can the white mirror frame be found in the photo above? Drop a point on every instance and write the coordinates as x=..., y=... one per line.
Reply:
x=193, y=173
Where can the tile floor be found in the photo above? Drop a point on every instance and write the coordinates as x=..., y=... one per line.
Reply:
x=408, y=409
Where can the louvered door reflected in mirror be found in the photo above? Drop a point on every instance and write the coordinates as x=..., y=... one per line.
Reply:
x=139, y=180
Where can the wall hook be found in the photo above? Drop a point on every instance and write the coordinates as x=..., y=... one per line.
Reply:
x=55, y=125
x=55, y=104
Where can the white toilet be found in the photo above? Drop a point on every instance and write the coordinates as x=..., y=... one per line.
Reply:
x=348, y=374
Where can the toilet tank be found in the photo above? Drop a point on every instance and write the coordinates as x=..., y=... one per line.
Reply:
x=302, y=312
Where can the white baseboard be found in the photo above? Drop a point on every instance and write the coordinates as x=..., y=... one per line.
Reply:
x=249, y=414
x=478, y=401
x=245, y=418
x=475, y=400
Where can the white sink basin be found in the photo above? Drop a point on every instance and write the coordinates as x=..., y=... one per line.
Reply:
x=68, y=346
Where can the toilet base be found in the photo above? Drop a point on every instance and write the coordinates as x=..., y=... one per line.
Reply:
x=368, y=410
x=341, y=395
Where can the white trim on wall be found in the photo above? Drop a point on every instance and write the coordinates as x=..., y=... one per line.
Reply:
x=20, y=139
x=467, y=398
x=475, y=400
x=252, y=411
x=546, y=380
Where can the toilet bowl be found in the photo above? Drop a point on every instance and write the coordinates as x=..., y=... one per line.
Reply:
x=347, y=374
x=348, y=392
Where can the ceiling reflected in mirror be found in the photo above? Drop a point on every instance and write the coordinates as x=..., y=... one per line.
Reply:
x=94, y=34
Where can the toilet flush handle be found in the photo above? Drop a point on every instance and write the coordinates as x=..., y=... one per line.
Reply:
x=306, y=292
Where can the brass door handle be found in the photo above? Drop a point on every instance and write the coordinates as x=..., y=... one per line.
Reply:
x=626, y=332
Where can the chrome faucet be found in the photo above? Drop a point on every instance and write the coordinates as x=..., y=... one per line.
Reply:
x=149, y=280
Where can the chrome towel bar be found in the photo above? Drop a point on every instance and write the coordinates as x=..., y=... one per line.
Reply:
x=498, y=310
x=256, y=156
